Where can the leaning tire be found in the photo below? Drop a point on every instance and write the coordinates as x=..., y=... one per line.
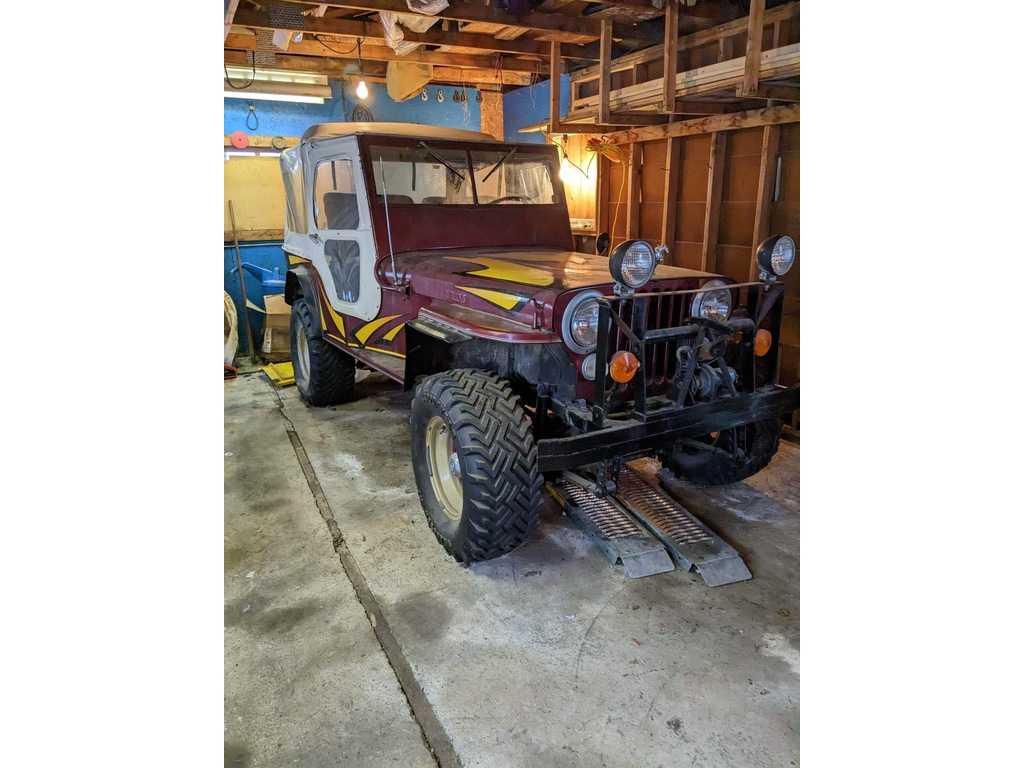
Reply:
x=324, y=375
x=475, y=463
x=735, y=455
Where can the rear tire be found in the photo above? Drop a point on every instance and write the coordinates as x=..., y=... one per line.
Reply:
x=324, y=375
x=723, y=462
x=475, y=463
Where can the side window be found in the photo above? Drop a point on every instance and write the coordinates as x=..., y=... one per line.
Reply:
x=334, y=195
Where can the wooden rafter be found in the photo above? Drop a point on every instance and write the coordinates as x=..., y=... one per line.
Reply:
x=375, y=71
x=314, y=48
x=752, y=61
x=369, y=29
x=671, y=57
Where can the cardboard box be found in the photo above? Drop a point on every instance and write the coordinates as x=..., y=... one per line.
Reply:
x=276, y=347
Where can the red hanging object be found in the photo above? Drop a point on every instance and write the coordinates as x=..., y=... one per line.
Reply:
x=239, y=140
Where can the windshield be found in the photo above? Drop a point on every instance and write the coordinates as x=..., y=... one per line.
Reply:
x=431, y=174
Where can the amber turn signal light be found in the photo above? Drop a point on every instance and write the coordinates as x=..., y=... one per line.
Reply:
x=762, y=342
x=623, y=366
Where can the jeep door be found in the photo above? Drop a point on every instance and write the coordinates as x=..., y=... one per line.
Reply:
x=343, y=246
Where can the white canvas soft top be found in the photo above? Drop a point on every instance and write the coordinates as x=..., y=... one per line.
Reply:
x=408, y=130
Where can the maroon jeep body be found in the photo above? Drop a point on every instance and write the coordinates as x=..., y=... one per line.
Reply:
x=444, y=260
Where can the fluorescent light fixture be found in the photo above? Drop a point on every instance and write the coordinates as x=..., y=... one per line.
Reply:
x=276, y=85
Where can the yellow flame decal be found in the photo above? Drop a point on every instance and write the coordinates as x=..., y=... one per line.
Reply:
x=367, y=330
x=495, y=269
x=507, y=301
x=390, y=335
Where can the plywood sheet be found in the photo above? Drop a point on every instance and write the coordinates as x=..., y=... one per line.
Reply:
x=254, y=186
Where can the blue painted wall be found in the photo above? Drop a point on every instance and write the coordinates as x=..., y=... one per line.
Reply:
x=278, y=118
x=529, y=106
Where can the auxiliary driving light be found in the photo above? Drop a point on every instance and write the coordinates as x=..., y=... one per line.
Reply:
x=632, y=263
x=623, y=366
x=776, y=255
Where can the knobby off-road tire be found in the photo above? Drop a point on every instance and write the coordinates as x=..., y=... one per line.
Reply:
x=324, y=375
x=487, y=502
x=722, y=464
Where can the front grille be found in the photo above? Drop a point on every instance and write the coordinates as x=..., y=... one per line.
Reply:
x=663, y=311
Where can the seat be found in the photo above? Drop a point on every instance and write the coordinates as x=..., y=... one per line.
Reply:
x=342, y=210
x=434, y=200
x=395, y=199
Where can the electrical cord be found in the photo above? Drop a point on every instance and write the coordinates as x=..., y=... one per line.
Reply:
x=252, y=79
x=320, y=39
x=252, y=114
x=614, y=154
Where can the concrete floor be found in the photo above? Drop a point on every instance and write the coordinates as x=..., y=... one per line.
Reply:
x=386, y=652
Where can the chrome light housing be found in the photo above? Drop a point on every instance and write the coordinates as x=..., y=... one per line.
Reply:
x=579, y=322
x=632, y=263
x=776, y=255
x=714, y=304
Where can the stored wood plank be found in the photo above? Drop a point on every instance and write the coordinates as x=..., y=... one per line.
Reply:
x=671, y=57
x=765, y=187
x=604, y=85
x=688, y=42
x=712, y=213
x=752, y=65
x=773, y=92
x=778, y=63
x=730, y=122
x=672, y=172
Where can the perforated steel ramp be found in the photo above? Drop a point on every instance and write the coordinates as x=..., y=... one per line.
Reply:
x=613, y=530
x=692, y=544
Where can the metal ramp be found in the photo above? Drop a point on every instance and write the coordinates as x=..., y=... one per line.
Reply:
x=613, y=530
x=638, y=525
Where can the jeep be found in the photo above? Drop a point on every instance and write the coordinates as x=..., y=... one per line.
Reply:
x=444, y=260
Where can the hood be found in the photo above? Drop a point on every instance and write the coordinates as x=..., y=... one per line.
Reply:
x=510, y=278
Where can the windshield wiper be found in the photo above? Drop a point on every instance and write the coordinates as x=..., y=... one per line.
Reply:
x=498, y=165
x=441, y=160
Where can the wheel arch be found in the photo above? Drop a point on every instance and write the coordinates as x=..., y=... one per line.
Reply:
x=298, y=284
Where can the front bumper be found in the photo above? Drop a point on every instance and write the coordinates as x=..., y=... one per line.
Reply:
x=634, y=437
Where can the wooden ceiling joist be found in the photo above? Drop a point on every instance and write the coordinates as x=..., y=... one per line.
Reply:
x=368, y=29
x=345, y=68
x=314, y=48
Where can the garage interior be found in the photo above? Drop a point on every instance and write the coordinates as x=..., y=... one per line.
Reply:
x=350, y=636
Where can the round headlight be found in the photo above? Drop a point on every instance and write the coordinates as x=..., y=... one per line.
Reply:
x=776, y=254
x=632, y=263
x=589, y=367
x=579, y=322
x=713, y=305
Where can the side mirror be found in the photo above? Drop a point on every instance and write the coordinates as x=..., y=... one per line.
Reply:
x=604, y=242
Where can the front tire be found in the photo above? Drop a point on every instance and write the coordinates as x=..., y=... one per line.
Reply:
x=475, y=463
x=732, y=456
x=324, y=375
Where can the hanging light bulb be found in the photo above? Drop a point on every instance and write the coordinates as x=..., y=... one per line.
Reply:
x=361, y=90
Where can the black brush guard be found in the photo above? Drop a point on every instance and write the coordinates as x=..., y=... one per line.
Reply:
x=656, y=421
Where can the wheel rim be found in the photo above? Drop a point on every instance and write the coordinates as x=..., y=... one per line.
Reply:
x=302, y=344
x=445, y=471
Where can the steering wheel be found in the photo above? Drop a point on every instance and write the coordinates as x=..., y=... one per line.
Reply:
x=510, y=197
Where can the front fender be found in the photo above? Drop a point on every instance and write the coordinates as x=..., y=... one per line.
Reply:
x=298, y=284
